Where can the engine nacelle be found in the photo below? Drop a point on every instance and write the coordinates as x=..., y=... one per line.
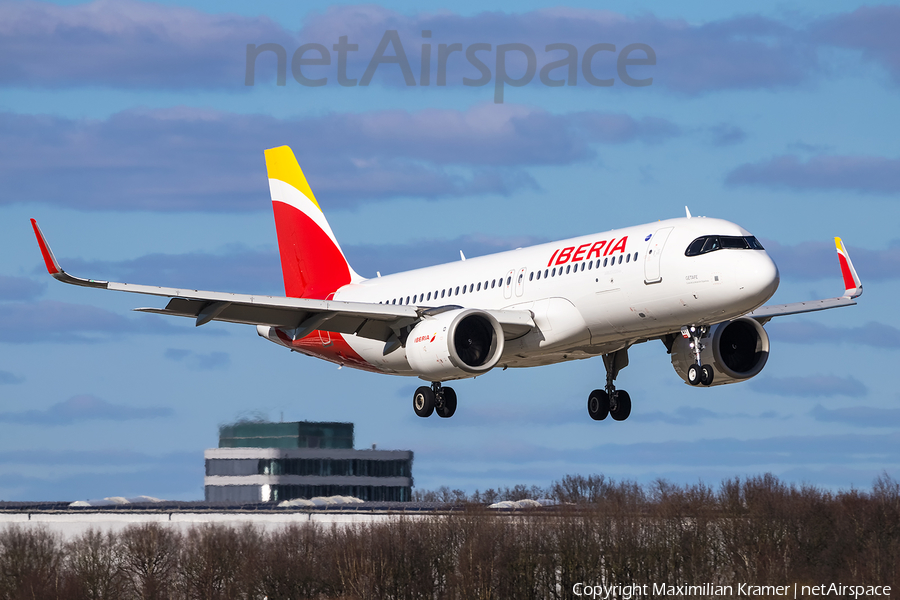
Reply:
x=736, y=350
x=455, y=344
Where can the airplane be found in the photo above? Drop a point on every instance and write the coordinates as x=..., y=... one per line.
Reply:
x=697, y=284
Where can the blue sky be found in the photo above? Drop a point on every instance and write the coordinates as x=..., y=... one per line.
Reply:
x=127, y=130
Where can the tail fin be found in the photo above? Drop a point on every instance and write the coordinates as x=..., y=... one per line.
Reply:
x=312, y=262
x=852, y=283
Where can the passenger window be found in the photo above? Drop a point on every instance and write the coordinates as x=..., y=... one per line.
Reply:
x=508, y=280
x=582, y=266
x=635, y=256
x=590, y=264
x=605, y=260
x=485, y=285
x=627, y=258
x=395, y=301
x=568, y=268
x=442, y=293
x=429, y=296
x=407, y=299
x=479, y=286
x=471, y=287
x=456, y=293
x=493, y=281
x=539, y=274
x=531, y=276
x=620, y=259
x=521, y=275
x=553, y=274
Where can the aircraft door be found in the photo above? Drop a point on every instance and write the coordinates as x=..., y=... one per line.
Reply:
x=508, y=284
x=653, y=254
x=520, y=281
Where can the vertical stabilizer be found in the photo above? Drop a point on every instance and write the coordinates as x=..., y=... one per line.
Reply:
x=312, y=261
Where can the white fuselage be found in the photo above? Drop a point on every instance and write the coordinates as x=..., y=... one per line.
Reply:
x=589, y=295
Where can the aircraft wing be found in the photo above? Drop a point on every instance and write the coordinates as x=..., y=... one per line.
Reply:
x=852, y=284
x=296, y=316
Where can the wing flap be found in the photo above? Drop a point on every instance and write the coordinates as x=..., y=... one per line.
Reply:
x=362, y=319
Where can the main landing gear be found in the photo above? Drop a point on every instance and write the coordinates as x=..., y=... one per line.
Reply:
x=436, y=398
x=610, y=401
x=698, y=373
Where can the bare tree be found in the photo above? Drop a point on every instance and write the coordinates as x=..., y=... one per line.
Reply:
x=94, y=561
x=150, y=555
x=29, y=563
x=210, y=565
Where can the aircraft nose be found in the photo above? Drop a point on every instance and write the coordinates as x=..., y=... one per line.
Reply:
x=760, y=276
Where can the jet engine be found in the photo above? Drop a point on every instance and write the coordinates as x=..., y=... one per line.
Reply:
x=455, y=344
x=736, y=350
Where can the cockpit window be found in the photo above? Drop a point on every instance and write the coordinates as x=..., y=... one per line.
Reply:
x=710, y=243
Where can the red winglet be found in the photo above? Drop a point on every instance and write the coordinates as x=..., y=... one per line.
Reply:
x=49, y=260
x=852, y=283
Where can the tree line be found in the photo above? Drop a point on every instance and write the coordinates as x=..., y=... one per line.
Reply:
x=757, y=531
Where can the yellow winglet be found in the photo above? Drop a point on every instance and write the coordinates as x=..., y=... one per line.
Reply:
x=282, y=165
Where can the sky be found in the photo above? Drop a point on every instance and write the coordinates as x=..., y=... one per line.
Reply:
x=134, y=133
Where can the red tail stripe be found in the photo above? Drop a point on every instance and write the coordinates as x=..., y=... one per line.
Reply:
x=312, y=265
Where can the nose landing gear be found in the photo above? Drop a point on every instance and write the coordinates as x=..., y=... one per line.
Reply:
x=698, y=373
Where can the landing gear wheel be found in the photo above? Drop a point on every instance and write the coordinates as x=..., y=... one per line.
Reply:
x=423, y=401
x=706, y=375
x=598, y=405
x=693, y=375
x=622, y=406
x=446, y=411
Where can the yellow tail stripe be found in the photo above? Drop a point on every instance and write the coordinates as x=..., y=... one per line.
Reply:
x=282, y=165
